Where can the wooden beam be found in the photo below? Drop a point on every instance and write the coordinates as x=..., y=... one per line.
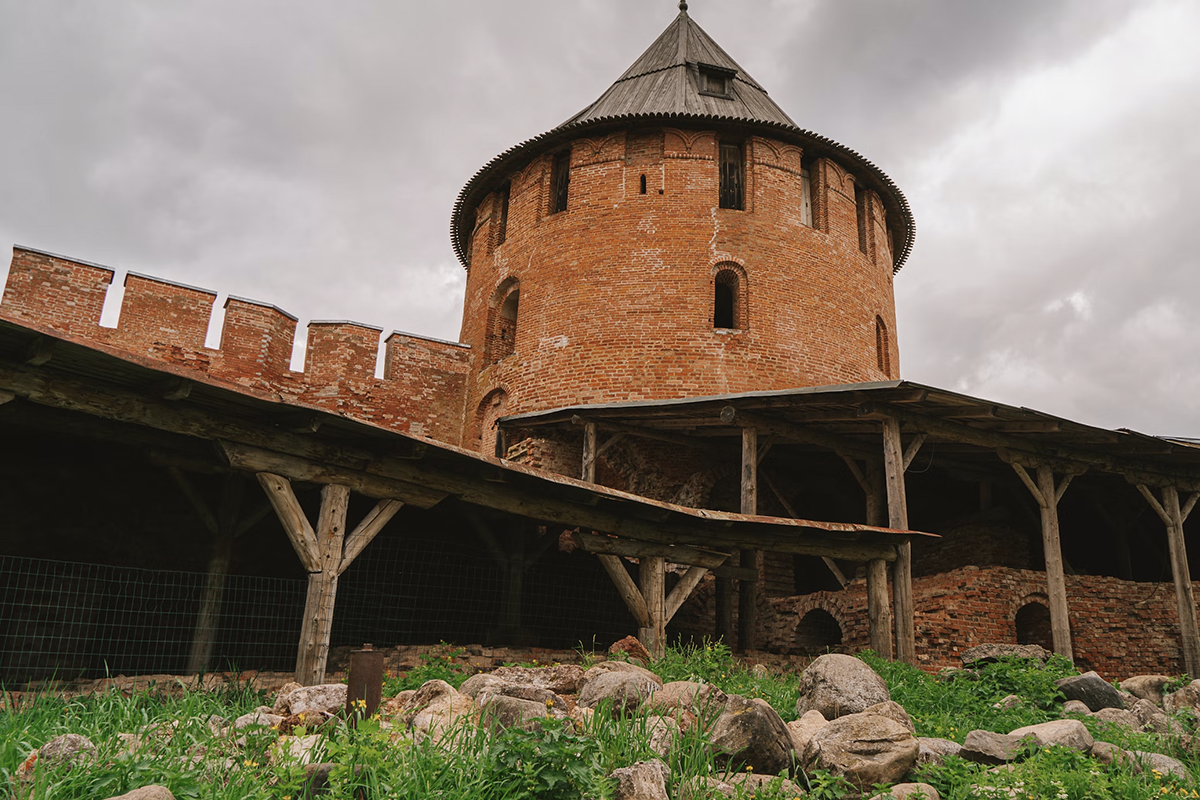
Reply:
x=590, y=436
x=631, y=548
x=199, y=504
x=683, y=590
x=737, y=573
x=895, y=462
x=40, y=351
x=254, y=459
x=1056, y=585
x=367, y=530
x=643, y=433
x=6, y=397
x=879, y=615
x=628, y=590
x=291, y=516
x=1171, y=513
x=1029, y=484
x=913, y=448
x=322, y=587
x=1186, y=510
x=859, y=477
x=791, y=431
x=1136, y=469
x=652, y=577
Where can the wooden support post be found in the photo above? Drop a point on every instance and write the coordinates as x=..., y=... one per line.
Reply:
x=589, y=452
x=682, y=591
x=208, y=618
x=652, y=577
x=879, y=614
x=895, y=461
x=747, y=591
x=626, y=588
x=1047, y=495
x=1173, y=516
x=325, y=553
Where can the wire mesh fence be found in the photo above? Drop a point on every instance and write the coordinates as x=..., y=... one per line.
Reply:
x=72, y=620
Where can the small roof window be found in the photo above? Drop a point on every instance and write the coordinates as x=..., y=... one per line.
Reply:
x=716, y=81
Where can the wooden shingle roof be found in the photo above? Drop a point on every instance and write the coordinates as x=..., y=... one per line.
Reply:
x=666, y=80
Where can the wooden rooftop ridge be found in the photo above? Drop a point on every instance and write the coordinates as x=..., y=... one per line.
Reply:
x=664, y=86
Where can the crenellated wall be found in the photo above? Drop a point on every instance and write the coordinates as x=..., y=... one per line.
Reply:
x=161, y=322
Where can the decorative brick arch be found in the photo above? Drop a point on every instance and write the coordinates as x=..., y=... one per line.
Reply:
x=490, y=409
x=730, y=287
x=503, y=307
x=1030, y=617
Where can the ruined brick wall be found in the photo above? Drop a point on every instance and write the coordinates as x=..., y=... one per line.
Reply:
x=164, y=324
x=1119, y=628
x=616, y=292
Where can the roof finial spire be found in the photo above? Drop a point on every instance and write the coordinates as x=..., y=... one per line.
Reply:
x=683, y=5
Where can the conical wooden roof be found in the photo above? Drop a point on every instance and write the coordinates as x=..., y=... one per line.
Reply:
x=664, y=86
x=666, y=80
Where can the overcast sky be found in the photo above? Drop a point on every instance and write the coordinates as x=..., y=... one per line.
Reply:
x=308, y=154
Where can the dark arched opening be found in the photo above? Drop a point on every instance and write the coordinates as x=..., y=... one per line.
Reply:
x=1033, y=625
x=726, y=306
x=817, y=632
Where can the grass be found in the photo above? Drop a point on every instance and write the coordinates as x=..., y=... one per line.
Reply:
x=558, y=760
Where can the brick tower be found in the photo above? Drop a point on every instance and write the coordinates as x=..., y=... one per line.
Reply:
x=679, y=237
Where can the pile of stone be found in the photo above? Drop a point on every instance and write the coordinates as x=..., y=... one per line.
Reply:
x=847, y=724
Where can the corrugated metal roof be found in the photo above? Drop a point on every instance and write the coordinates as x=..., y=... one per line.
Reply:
x=662, y=86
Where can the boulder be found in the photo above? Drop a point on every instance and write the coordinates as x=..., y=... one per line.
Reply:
x=987, y=653
x=836, y=684
x=909, y=791
x=893, y=711
x=1119, y=717
x=503, y=711
x=865, y=749
x=146, y=793
x=327, y=698
x=704, y=788
x=560, y=678
x=1157, y=761
x=434, y=708
x=699, y=699
x=298, y=750
x=1068, y=733
x=1106, y=753
x=934, y=751
x=802, y=729
x=1076, y=707
x=1146, y=687
x=1091, y=689
x=1185, y=699
x=69, y=749
x=1152, y=718
x=624, y=690
x=482, y=682
x=645, y=780
x=663, y=733
x=1007, y=702
x=607, y=667
x=281, y=706
x=985, y=747
x=259, y=718
x=750, y=733
x=752, y=783
x=633, y=649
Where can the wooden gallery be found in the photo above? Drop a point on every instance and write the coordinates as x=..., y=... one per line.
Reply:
x=674, y=411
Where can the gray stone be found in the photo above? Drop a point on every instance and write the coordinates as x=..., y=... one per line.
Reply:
x=298, y=750
x=146, y=793
x=700, y=699
x=1076, y=707
x=865, y=749
x=434, y=709
x=262, y=719
x=836, y=684
x=560, y=678
x=751, y=733
x=803, y=729
x=1157, y=761
x=327, y=698
x=504, y=711
x=645, y=780
x=663, y=733
x=987, y=653
x=608, y=667
x=893, y=711
x=1119, y=717
x=623, y=689
x=985, y=747
x=1152, y=718
x=935, y=751
x=1106, y=753
x=281, y=706
x=1185, y=699
x=753, y=783
x=1146, y=687
x=1091, y=689
x=909, y=791
x=705, y=788
x=1069, y=733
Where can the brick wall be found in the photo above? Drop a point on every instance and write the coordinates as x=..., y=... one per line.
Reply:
x=617, y=291
x=1119, y=628
x=164, y=324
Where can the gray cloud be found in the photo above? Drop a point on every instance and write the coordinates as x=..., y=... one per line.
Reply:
x=309, y=154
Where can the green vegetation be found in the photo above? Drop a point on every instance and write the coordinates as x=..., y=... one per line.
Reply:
x=559, y=759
